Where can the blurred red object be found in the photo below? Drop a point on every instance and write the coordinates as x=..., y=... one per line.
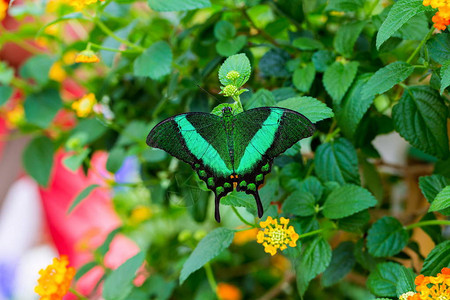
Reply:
x=79, y=233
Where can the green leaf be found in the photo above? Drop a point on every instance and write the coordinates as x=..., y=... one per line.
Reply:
x=315, y=258
x=119, y=283
x=312, y=185
x=355, y=222
x=303, y=77
x=231, y=46
x=353, y=107
x=224, y=30
x=5, y=93
x=406, y=281
x=155, y=62
x=310, y=107
x=37, y=68
x=110, y=42
x=442, y=200
x=342, y=262
x=338, y=78
x=115, y=159
x=383, y=281
x=386, y=237
x=6, y=73
x=104, y=248
x=273, y=63
x=209, y=247
x=400, y=14
x=73, y=162
x=445, y=76
x=178, y=5
x=322, y=59
x=344, y=5
x=38, y=159
x=261, y=98
x=337, y=161
x=81, y=196
x=300, y=203
x=385, y=78
x=41, y=108
x=347, y=200
x=90, y=130
x=239, y=63
x=439, y=48
x=421, y=118
x=84, y=269
x=304, y=43
x=437, y=259
x=134, y=132
x=432, y=185
x=346, y=37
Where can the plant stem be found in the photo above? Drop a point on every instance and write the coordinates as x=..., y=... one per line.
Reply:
x=422, y=43
x=237, y=99
x=112, y=49
x=242, y=218
x=80, y=296
x=427, y=223
x=311, y=233
x=109, y=32
x=210, y=276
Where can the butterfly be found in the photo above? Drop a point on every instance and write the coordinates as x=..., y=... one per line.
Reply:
x=232, y=151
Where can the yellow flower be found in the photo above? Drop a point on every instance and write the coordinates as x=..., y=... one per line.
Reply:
x=442, y=17
x=57, y=73
x=15, y=116
x=84, y=106
x=86, y=56
x=432, y=288
x=80, y=4
x=227, y=291
x=69, y=57
x=140, y=214
x=276, y=236
x=3, y=9
x=55, y=280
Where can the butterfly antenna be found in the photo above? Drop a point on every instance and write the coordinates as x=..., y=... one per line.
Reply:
x=215, y=98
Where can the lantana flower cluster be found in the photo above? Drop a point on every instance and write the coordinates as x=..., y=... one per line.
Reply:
x=431, y=287
x=276, y=236
x=442, y=17
x=55, y=280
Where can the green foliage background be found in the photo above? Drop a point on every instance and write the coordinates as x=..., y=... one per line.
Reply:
x=358, y=69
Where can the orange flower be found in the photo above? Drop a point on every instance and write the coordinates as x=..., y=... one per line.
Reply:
x=276, y=236
x=227, y=291
x=86, y=56
x=55, y=280
x=243, y=237
x=3, y=9
x=429, y=287
x=442, y=17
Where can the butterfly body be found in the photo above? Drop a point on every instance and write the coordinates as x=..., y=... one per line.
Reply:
x=231, y=151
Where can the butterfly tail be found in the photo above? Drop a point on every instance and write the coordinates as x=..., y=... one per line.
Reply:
x=259, y=204
x=217, y=212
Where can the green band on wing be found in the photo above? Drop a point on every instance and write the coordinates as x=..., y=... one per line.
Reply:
x=200, y=148
x=260, y=142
